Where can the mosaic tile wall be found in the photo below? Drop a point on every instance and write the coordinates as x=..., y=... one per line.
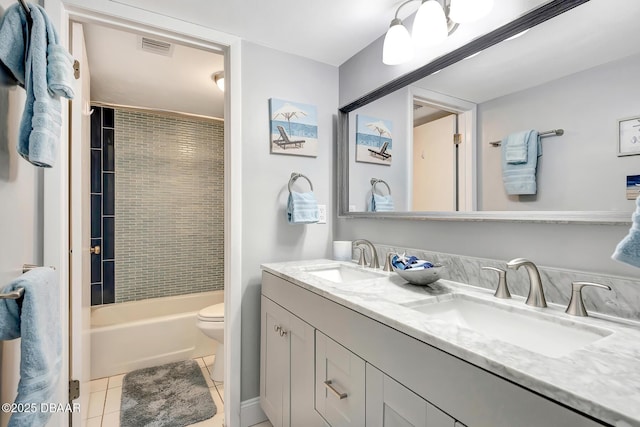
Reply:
x=102, y=206
x=166, y=217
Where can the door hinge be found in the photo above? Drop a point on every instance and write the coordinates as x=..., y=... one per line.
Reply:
x=457, y=138
x=76, y=69
x=74, y=390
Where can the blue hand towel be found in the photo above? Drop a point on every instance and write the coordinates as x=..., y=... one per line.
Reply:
x=521, y=178
x=302, y=208
x=25, y=54
x=515, y=147
x=628, y=250
x=381, y=203
x=37, y=322
x=14, y=38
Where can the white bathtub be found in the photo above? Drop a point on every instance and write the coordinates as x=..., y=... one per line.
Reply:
x=140, y=334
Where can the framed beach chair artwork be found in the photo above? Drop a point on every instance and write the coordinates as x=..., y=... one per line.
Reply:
x=293, y=128
x=373, y=140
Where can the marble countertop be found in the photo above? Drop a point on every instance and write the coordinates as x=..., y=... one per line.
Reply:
x=601, y=379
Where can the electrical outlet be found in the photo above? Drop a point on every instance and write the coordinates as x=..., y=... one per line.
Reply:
x=322, y=214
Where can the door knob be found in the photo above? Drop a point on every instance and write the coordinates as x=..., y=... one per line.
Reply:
x=95, y=250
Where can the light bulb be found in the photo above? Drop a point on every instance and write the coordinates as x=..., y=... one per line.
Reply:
x=397, y=47
x=218, y=78
x=429, y=25
x=464, y=11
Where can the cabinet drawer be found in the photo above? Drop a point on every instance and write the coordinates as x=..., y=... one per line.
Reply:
x=340, y=384
x=390, y=404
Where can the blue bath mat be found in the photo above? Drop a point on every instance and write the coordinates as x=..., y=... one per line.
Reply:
x=171, y=395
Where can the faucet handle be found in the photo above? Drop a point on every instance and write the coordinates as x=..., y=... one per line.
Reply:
x=363, y=259
x=576, y=305
x=502, y=291
x=387, y=263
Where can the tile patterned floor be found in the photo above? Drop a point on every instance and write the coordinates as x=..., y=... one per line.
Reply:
x=106, y=393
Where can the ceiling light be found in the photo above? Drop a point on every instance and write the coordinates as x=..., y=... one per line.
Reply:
x=465, y=11
x=219, y=79
x=397, y=47
x=429, y=25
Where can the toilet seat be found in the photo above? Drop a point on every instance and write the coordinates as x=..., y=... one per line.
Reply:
x=213, y=313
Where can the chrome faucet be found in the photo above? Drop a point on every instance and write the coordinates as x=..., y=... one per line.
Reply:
x=374, y=254
x=536, y=293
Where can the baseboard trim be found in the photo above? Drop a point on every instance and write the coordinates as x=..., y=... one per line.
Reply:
x=251, y=413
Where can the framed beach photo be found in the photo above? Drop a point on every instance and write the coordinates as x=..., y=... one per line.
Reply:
x=629, y=136
x=373, y=140
x=293, y=128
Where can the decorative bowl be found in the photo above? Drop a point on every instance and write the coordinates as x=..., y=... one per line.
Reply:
x=420, y=276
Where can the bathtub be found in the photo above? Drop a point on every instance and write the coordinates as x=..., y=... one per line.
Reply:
x=141, y=334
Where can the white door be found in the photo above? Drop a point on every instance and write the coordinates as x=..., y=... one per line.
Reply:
x=434, y=166
x=80, y=277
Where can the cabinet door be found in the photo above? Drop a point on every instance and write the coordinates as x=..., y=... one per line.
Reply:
x=274, y=363
x=340, y=384
x=390, y=404
x=302, y=341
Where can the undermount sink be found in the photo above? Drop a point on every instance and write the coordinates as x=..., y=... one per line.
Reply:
x=511, y=325
x=340, y=273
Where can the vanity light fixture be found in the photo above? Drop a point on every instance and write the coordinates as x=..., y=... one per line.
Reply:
x=218, y=78
x=431, y=26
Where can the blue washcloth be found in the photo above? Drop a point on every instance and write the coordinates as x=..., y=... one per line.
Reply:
x=628, y=250
x=521, y=178
x=381, y=203
x=515, y=147
x=37, y=322
x=302, y=208
x=402, y=262
x=42, y=58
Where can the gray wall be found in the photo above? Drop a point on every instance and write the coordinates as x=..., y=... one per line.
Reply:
x=579, y=170
x=169, y=205
x=266, y=235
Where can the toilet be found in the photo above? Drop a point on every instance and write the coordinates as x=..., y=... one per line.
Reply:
x=211, y=323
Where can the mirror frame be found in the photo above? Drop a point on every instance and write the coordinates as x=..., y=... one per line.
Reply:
x=529, y=20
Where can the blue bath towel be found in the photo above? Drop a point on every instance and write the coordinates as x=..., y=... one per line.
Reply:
x=628, y=250
x=521, y=178
x=30, y=57
x=37, y=322
x=302, y=208
x=381, y=203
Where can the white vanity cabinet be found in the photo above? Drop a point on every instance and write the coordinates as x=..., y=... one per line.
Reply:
x=286, y=368
x=340, y=384
x=388, y=378
x=390, y=404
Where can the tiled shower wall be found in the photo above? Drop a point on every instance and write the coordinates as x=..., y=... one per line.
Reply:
x=169, y=231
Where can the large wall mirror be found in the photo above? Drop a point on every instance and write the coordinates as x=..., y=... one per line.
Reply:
x=435, y=144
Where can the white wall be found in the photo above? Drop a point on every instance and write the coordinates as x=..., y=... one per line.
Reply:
x=20, y=221
x=393, y=108
x=266, y=235
x=579, y=170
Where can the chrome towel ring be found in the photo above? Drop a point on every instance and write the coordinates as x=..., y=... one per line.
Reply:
x=375, y=181
x=296, y=175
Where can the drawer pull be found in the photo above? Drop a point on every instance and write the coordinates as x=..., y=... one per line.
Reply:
x=277, y=328
x=328, y=384
x=283, y=332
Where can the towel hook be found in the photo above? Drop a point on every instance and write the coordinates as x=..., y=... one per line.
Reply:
x=296, y=175
x=375, y=181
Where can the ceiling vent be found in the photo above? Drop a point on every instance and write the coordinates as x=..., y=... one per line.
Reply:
x=155, y=46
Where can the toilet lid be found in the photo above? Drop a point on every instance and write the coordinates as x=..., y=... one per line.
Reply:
x=213, y=312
